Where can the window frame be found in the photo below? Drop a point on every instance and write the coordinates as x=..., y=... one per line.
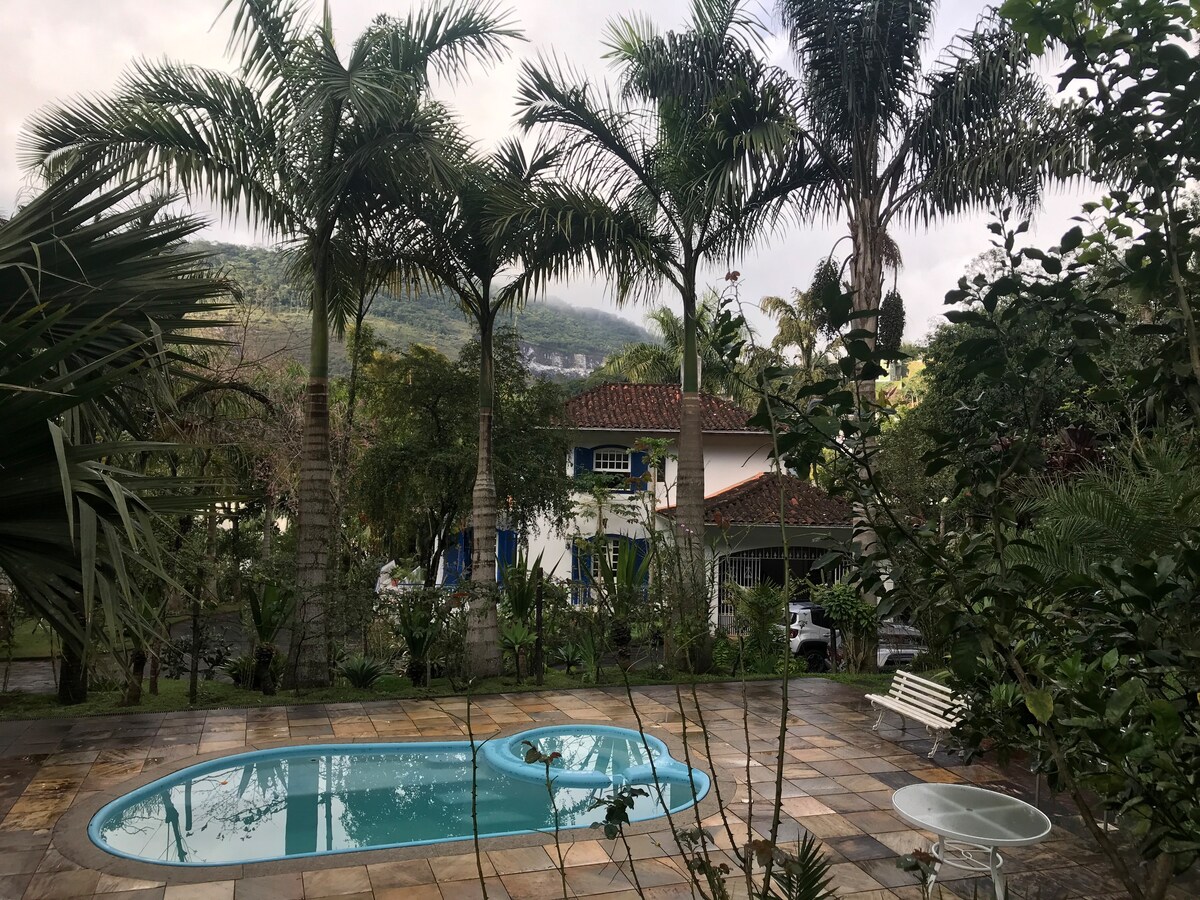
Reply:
x=599, y=452
x=612, y=552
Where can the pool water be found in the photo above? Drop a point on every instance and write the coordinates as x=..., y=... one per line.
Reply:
x=302, y=801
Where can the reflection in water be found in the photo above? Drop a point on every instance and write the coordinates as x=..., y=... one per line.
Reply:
x=295, y=803
x=584, y=753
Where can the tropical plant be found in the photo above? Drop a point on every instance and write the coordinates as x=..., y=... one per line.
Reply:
x=760, y=618
x=517, y=639
x=490, y=265
x=802, y=322
x=418, y=618
x=623, y=590
x=521, y=587
x=692, y=160
x=660, y=361
x=361, y=671
x=856, y=620
x=802, y=876
x=591, y=648
x=903, y=142
x=569, y=655
x=97, y=305
x=310, y=146
x=270, y=607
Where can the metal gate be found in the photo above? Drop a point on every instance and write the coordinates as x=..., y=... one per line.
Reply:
x=746, y=568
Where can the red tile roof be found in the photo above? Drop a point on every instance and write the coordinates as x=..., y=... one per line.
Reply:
x=755, y=501
x=648, y=407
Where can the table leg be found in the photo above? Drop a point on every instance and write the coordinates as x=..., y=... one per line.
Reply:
x=996, y=864
x=939, y=852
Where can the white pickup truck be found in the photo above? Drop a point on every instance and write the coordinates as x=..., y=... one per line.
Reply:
x=809, y=632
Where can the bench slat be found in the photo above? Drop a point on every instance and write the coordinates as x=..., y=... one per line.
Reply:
x=935, y=701
x=907, y=681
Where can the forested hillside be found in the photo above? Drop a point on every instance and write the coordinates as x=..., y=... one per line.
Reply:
x=279, y=317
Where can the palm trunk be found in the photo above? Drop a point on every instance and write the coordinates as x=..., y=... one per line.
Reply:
x=867, y=274
x=689, y=531
x=483, y=632
x=306, y=655
x=137, y=672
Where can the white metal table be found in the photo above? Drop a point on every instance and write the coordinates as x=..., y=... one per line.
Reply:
x=971, y=822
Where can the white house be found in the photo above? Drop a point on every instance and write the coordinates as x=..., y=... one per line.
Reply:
x=742, y=495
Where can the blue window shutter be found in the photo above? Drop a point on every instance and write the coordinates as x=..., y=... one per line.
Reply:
x=468, y=551
x=506, y=551
x=575, y=590
x=455, y=564
x=638, y=468
x=583, y=459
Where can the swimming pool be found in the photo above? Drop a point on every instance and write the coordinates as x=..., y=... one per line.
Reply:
x=334, y=798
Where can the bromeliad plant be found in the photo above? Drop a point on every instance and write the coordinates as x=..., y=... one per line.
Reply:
x=622, y=593
x=517, y=640
x=270, y=607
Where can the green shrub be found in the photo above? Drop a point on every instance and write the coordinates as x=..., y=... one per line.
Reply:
x=857, y=623
x=518, y=640
x=361, y=671
x=726, y=656
x=569, y=655
x=760, y=619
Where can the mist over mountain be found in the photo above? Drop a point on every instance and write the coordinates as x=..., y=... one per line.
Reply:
x=558, y=339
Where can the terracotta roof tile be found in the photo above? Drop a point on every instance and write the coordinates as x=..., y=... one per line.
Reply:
x=648, y=407
x=755, y=501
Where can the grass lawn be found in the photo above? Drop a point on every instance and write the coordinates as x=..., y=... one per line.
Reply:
x=216, y=695
x=30, y=641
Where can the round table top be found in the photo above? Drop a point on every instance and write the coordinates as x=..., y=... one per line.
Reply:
x=961, y=812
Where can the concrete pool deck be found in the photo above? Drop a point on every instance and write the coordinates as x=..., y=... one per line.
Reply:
x=839, y=776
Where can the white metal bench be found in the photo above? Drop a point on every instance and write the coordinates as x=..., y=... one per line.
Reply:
x=932, y=704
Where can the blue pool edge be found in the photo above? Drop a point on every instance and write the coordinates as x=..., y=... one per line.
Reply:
x=701, y=785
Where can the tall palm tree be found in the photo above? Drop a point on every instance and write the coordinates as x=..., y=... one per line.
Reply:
x=660, y=361
x=490, y=265
x=304, y=143
x=692, y=160
x=97, y=306
x=902, y=143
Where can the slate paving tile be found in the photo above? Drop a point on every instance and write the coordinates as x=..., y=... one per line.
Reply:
x=839, y=777
x=860, y=847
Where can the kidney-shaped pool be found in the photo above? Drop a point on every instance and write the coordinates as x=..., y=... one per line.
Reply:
x=334, y=798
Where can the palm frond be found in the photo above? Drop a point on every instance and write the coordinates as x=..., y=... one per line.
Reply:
x=985, y=132
x=95, y=299
x=861, y=61
x=208, y=129
x=442, y=38
x=263, y=36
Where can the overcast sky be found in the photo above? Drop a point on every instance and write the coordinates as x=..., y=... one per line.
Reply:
x=67, y=47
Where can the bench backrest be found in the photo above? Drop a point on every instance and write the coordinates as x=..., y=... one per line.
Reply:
x=935, y=699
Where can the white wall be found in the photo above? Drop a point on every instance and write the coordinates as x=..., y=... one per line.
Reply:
x=728, y=459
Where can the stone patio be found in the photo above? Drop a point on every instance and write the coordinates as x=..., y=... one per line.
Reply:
x=839, y=779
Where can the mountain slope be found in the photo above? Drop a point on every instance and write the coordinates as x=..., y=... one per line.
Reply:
x=557, y=337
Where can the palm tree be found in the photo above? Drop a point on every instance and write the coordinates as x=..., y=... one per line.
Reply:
x=902, y=144
x=304, y=143
x=97, y=306
x=660, y=362
x=490, y=266
x=693, y=160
